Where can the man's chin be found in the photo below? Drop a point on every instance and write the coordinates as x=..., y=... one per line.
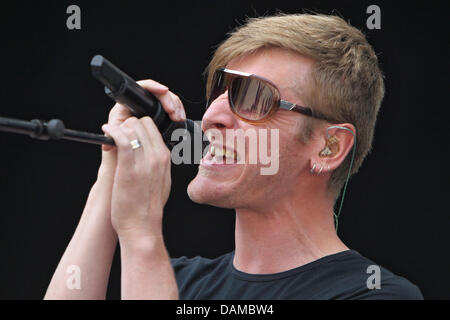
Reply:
x=201, y=193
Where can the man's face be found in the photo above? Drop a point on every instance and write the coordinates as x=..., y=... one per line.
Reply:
x=242, y=185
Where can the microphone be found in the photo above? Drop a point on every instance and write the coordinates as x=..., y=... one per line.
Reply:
x=124, y=90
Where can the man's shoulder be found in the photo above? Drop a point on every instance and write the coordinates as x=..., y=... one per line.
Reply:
x=365, y=279
x=196, y=275
x=199, y=264
x=344, y=275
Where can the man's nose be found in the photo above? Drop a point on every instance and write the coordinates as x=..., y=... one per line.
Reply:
x=219, y=114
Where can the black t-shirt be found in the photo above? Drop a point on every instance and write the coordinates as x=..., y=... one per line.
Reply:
x=344, y=275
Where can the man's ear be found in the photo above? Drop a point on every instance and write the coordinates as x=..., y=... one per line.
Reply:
x=338, y=141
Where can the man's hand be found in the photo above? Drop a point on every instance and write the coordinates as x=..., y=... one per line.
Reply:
x=142, y=179
x=119, y=113
x=141, y=176
x=140, y=190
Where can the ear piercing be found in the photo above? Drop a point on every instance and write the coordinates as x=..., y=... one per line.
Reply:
x=324, y=168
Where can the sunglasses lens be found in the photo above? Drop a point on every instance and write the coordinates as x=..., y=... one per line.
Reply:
x=251, y=98
x=217, y=88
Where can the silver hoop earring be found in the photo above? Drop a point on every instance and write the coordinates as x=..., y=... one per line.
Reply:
x=313, y=168
x=320, y=170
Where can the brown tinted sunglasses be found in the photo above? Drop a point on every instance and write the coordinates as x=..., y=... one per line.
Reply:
x=253, y=98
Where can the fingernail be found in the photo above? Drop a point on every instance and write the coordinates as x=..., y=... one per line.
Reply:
x=181, y=114
x=160, y=87
x=172, y=105
x=106, y=147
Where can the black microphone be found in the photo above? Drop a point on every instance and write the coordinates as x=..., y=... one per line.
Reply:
x=124, y=90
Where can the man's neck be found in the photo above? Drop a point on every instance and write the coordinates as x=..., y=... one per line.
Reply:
x=286, y=235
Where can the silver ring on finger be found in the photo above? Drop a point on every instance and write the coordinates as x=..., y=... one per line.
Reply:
x=135, y=144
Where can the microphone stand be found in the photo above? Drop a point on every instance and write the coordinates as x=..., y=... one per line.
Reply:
x=53, y=129
x=121, y=88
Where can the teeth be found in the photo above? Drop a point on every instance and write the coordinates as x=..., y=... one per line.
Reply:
x=221, y=152
x=217, y=152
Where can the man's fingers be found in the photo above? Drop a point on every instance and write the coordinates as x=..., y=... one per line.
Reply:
x=153, y=152
x=156, y=139
x=136, y=128
x=118, y=114
x=125, y=153
x=170, y=101
x=153, y=86
x=179, y=107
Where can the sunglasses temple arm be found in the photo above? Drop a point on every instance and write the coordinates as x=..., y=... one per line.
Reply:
x=304, y=110
x=293, y=107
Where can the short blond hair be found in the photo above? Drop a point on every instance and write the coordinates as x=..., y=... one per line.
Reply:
x=346, y=83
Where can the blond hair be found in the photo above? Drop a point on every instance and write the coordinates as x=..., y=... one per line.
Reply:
x=346, y=83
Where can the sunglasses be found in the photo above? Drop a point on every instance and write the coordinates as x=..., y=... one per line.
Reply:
x=252, y=98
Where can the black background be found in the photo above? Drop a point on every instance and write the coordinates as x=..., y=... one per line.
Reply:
x=396, y=209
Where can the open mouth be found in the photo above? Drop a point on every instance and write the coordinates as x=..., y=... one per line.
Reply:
x=221, y=155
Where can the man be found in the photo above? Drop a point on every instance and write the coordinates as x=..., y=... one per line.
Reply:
x=286, y=241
